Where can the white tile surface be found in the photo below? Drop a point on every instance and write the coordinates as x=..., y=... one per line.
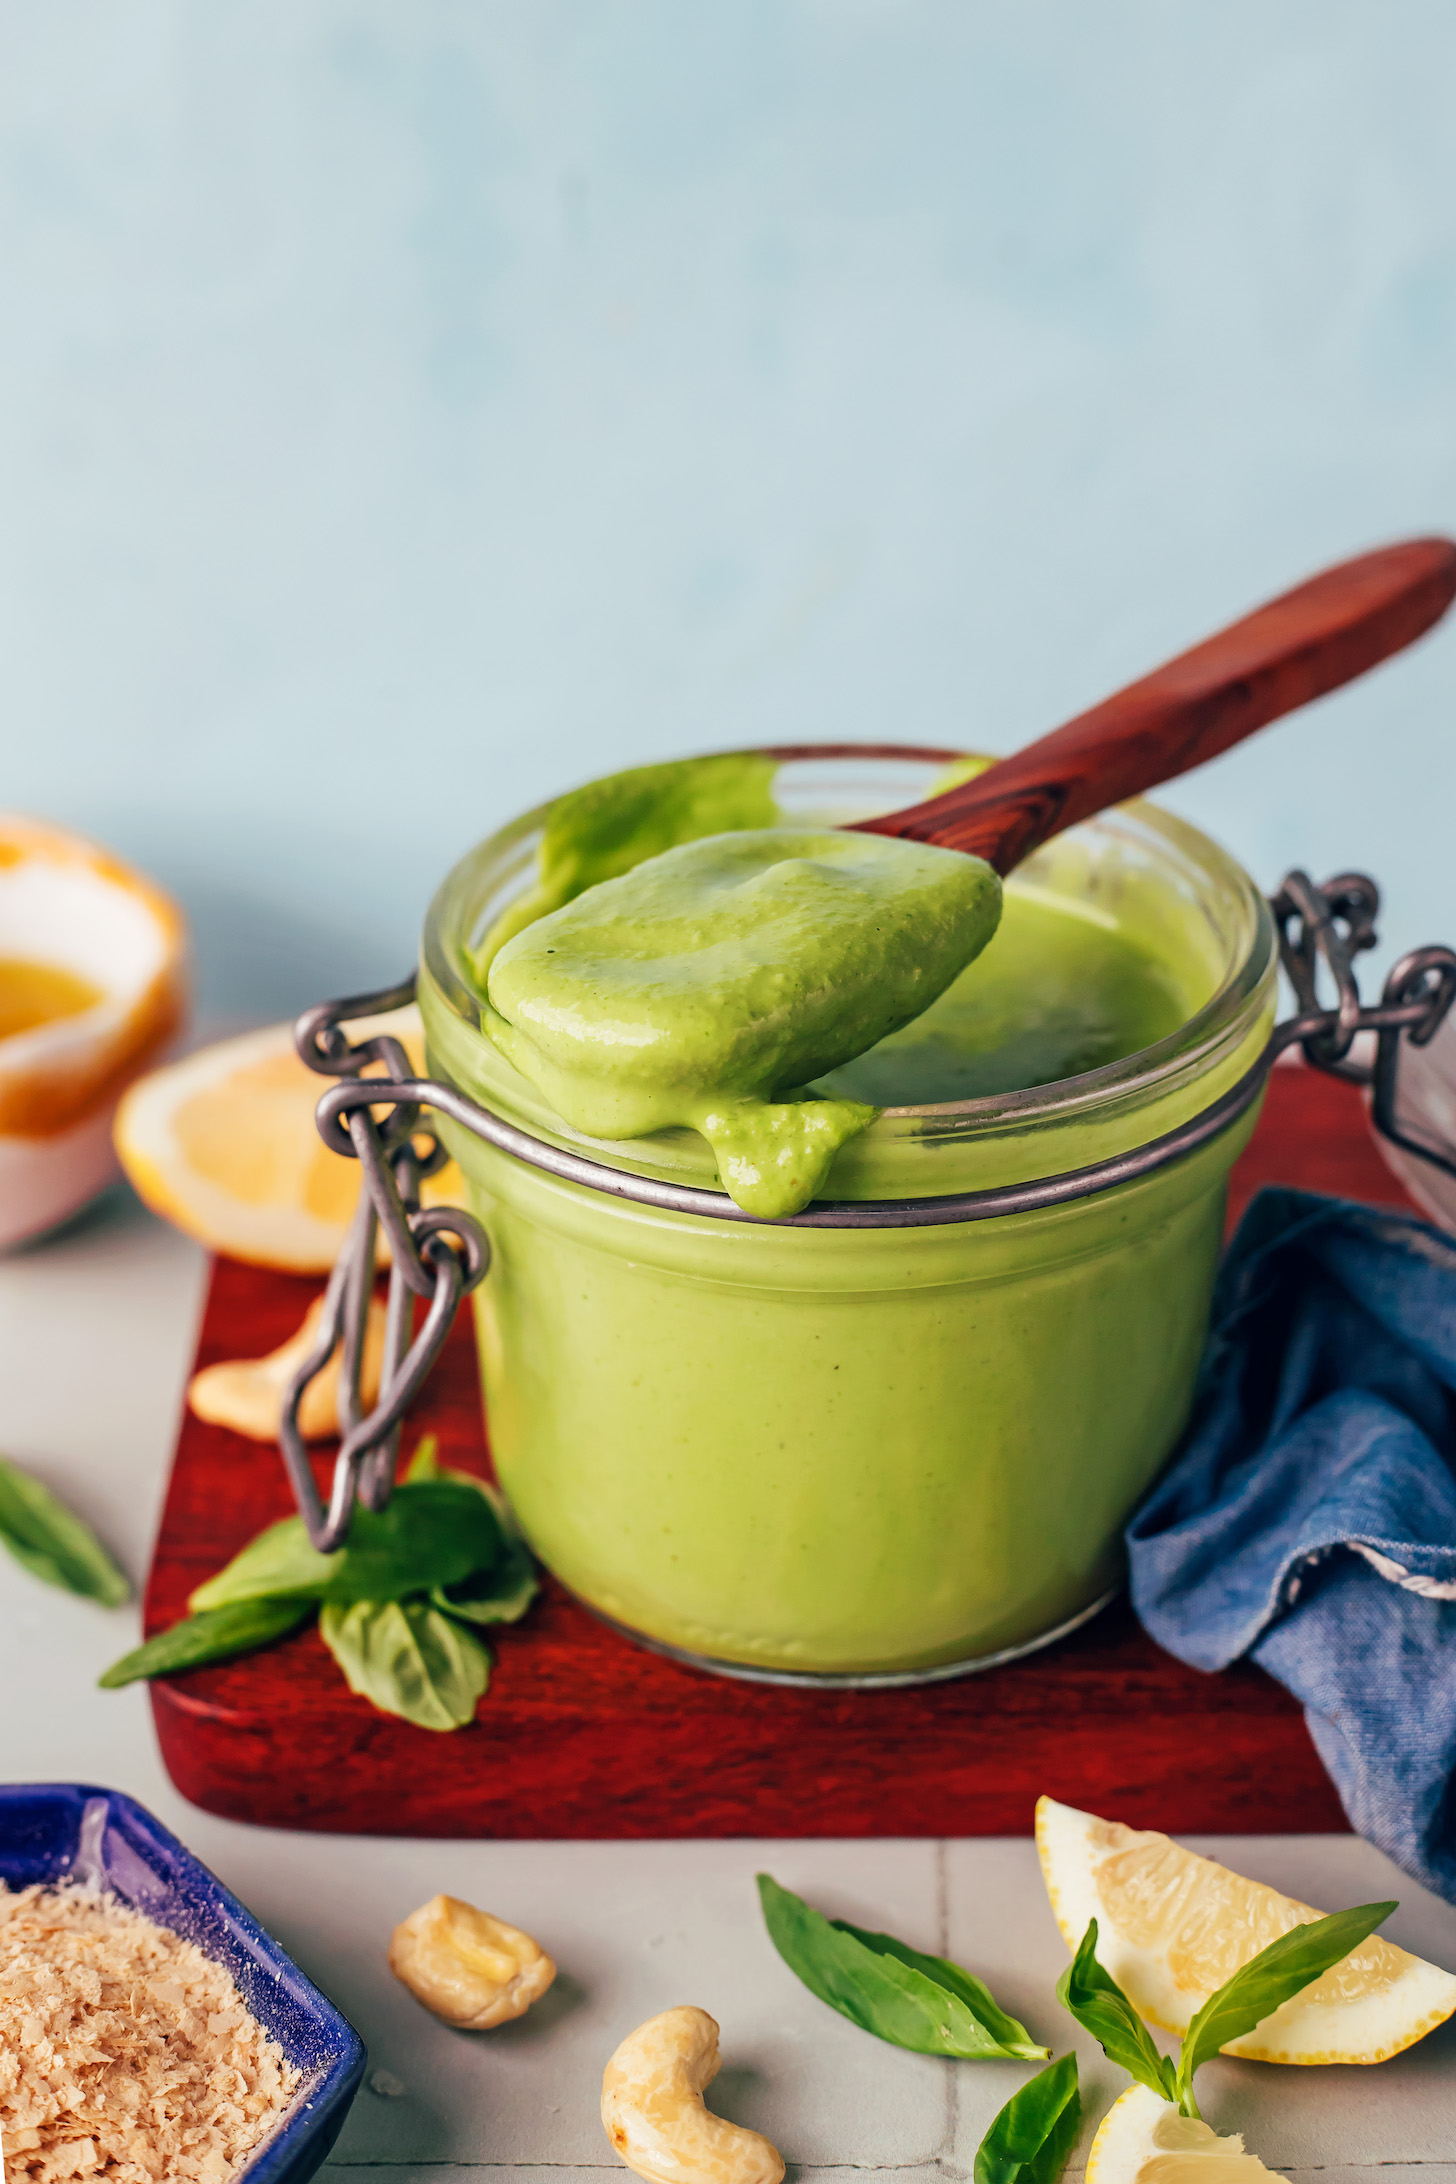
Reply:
x=636, y=1928
x=96, y=1331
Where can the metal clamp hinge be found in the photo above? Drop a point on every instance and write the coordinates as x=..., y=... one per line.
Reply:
x=439, y=1254
x=1328, y=927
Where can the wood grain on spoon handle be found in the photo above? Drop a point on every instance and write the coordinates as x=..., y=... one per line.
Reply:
x=1296, y=648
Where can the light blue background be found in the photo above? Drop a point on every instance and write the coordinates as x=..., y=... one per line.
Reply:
x=407, y=410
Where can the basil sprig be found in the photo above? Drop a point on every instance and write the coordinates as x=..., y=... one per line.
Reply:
x=1269, y=1980
x=500, y=1594
x=1032, y=2138
x=1100, y=2007
x=433, y=1532
x=1254, y=1992
x=398, y=1605
x=214, y=1636
x=50, y=1541
x=913, y=2001
x=407, y=1658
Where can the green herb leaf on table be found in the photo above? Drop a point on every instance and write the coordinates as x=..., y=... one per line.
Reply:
x=214, y=1636
x=434, y=1532
x=48, y=1540
x=1101, y=2008
x=1267, y=1982
x=1032, y=2138
x=407, y=1659
x=279, y=1561
x=502, y=1592
x=1010, y=2038
x=444, y=1534
x=921, y=2002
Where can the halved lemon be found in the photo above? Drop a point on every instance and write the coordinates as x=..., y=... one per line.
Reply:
x=1144, y=2140
x=1173, y=1926
x=223, y=1144
x=92, y=991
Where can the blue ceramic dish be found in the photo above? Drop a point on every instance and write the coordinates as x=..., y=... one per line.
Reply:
x=51, y=1831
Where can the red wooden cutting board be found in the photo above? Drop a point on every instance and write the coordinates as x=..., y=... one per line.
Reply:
x=584, y=1734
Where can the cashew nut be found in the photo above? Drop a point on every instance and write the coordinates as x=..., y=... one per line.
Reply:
x=248, y=1395
x=652, y=2106
x=467, y=1967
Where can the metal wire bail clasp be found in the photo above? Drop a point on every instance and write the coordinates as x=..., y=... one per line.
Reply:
x=1329, y=926
x=439, y=1254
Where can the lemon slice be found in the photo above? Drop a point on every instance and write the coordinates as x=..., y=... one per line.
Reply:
x=1144, y=2140
x=1173, y=1926
x=223, y=1144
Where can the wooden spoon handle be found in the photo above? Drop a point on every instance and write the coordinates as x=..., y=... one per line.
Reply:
x=1297, y=647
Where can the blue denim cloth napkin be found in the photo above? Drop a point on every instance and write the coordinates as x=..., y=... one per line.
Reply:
x=1308, y=1519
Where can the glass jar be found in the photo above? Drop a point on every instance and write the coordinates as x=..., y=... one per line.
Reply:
x=865, y=1453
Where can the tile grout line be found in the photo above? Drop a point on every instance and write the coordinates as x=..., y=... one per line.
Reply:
x=942, y=1895
x=593, y=2168
x=947, y=2148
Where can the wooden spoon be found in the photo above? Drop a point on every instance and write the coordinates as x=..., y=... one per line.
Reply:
x=1297, y=647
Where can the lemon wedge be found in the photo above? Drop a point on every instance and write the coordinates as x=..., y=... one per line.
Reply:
x=223, y=1144
x=1173, y=1926
x=1144, y=2140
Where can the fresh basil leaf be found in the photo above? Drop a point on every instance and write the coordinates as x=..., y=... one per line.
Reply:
x=500, y=1594
x=279, y=1561
x=1011, y=2037
x=432, y=1533
x=1032, y=2138
x=913, y=2001
x=1269, y=1980
x=1101, y=2008
x=215, y=1636
x=46, y=1539
x=407, y=1659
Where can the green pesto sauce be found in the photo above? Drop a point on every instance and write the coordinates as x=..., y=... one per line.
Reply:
x=1058, y=994
x=712, y=982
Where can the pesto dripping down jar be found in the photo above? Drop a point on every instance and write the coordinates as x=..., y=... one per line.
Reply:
x=889, y=1451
